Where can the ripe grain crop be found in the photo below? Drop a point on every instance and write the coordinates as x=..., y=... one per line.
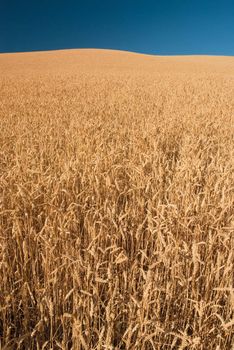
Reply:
x=116, y=201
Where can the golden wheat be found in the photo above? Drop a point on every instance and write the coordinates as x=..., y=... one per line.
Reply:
x=116, y=201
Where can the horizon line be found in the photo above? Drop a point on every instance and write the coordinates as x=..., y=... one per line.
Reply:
x=114, y=49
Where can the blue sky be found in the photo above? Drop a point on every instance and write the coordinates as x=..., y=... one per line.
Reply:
x=163, y=27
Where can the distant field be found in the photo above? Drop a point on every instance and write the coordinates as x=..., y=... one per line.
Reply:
x=116, y=201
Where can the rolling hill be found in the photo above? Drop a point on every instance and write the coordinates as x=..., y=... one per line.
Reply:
x=116, y=201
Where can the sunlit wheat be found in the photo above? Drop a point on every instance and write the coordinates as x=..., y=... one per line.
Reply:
x=116, y=201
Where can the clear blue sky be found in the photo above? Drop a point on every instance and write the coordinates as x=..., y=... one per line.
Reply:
x=149, y=26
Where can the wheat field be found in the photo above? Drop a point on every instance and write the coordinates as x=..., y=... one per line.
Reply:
x=116, y=201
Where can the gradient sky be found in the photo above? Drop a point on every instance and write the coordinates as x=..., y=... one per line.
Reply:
x=163, y=27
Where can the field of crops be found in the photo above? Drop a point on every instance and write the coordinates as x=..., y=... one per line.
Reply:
x=116, y=201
